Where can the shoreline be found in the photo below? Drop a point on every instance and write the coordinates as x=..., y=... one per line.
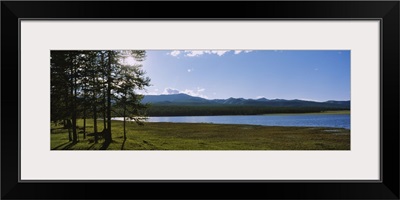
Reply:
x=311, y=127
x=178, y=119
x=338, y=112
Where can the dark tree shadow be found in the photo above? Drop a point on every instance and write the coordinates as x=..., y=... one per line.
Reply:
x=123, y=144
x=105, y=145
x=69, y=145
x=56, y=148
x=91, y=147
x=56, y=130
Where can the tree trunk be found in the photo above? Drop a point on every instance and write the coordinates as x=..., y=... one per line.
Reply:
x=68, y=121
x=69, y=130
x=84, y=123
x=73, y=92
x=108, y=134
x=124, y=122
x=85, y=98
x=96, y=137
x=104, y=85
x=104, y=109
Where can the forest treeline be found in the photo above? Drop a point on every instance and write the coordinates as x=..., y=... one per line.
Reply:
x=205, y=110
x=96, y=84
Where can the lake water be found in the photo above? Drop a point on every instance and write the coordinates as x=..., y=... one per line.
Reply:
x=309, y=120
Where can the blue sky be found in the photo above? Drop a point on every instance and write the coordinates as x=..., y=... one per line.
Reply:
x=318, y=75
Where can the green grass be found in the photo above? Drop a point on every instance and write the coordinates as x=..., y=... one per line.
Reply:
x=204, y=136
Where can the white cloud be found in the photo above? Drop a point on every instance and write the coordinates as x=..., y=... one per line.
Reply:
x=196, y=93
x=190, y=70
x=198, y=53
x=194, y=53
x=175, y=53
x=260, y=97
x=220, y=53
x=170, y=91
x=242, y=51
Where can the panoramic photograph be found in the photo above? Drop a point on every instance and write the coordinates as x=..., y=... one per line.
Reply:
x=200, y=99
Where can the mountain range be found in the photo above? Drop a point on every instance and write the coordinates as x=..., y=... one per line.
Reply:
x=185, y=99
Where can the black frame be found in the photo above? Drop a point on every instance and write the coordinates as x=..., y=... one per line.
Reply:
x=386, y=11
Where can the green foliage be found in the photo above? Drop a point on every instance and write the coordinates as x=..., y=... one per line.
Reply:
x=130, y=79
x=85, y=83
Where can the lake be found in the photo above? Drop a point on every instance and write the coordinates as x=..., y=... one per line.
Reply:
x=309, y=120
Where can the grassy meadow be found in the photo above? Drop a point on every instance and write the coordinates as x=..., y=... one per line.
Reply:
x=204, y=136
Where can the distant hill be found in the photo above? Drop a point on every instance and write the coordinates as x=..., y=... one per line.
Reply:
x=173, y=98
x=187, y=100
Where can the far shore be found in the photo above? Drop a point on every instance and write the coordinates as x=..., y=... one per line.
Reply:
x=331, y=112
